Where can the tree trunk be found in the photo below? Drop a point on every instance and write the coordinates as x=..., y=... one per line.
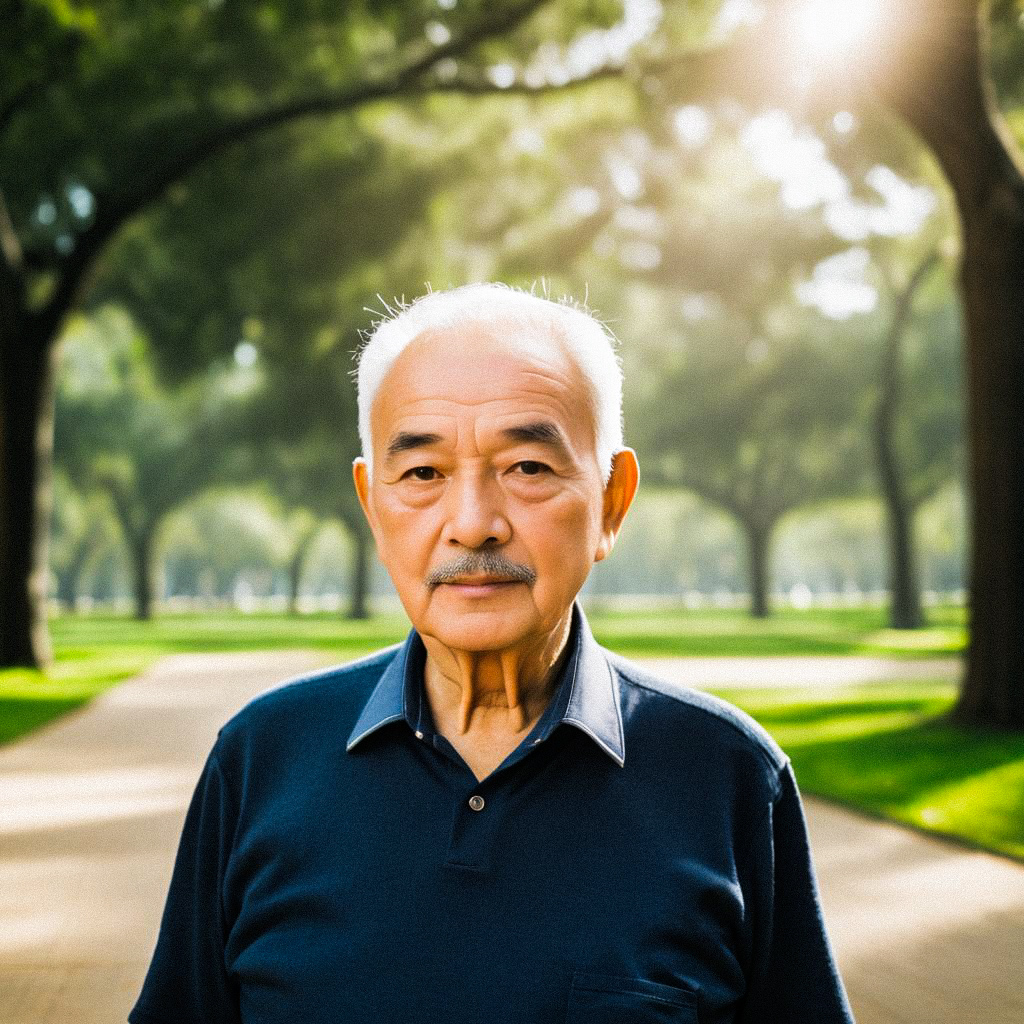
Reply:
x=26, y=449
x=142, y=569
x=69, y=580
x=758, y=543
x=296, y=567
x=359, y=582
x=993, y=284
x=67, y=587
x=904, y=589
x=956, y=114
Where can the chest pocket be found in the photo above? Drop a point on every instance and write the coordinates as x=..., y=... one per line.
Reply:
x=611, y=999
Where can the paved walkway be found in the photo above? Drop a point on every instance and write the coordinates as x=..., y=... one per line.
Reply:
x=91, y=808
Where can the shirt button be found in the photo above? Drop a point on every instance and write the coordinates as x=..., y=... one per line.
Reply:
x=476, y=802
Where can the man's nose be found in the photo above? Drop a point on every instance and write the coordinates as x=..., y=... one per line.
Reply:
x=476, y=514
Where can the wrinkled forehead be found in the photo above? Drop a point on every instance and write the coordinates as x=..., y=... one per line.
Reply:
x=489, y=366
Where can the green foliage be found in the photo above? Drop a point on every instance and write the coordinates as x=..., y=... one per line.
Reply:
x=103, y=102
x=268, y=244
x=282, y=242
x=1006, y=53
x=221, y=538
x=930, y=429
x=734, y=387
x=678, y=632
x=118, y=431
x=83, y=531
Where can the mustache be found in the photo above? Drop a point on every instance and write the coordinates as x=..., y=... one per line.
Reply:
x=480, y=563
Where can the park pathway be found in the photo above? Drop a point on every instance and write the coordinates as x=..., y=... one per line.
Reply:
x=91, y=808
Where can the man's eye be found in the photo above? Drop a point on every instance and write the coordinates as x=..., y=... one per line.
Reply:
x=530, y=468
x=423, y=473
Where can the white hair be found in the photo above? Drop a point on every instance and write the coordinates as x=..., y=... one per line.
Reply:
x=587, y=341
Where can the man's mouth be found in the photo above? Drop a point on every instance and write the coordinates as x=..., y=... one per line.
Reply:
x=481, y=581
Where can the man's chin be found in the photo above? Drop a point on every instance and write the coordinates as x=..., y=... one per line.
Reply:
x=482, y=626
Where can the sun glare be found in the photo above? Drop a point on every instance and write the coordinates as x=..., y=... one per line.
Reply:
x=832, y=28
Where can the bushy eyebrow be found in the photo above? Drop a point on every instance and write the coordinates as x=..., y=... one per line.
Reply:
x=405, y=441
x=540, y=432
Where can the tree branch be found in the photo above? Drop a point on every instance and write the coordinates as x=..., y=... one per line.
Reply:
x=889, y=365
x=480, y=86
x=148, y=188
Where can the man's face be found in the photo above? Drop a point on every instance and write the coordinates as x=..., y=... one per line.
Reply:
x=487, y=500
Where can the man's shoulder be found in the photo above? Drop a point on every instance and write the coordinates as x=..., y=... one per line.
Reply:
x=336, y=693
x=692, y=715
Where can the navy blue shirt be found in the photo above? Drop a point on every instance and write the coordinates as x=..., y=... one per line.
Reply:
x=640, y=857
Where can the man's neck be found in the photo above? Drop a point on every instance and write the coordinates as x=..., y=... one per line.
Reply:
x=493, y=693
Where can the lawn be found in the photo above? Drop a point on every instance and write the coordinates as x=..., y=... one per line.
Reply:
x=890, y=749
x=854, y=631
x=883, y=748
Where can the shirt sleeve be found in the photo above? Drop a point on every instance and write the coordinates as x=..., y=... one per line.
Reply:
x=187, y=982
x=793, y=976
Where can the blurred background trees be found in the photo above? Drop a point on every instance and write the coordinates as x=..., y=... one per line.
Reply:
x=770, y=201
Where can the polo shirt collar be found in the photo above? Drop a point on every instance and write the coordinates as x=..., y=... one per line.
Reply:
x=586, y=698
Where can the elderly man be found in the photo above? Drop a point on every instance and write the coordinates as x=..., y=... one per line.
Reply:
x=498, y=820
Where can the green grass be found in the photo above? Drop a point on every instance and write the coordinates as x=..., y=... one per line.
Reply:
x=890, y=749
x=29, y=699
x=224, y=631
x=707, y=633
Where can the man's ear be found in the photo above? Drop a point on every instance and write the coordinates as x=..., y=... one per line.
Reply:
x=361, y=478
x=618, y=496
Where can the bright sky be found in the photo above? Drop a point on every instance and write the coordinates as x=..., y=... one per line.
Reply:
x=587, y=52
x=828, y=29
x=839, y=287
x=798, y=160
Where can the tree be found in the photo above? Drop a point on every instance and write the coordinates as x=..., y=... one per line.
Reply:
x=937, y=66
x=104, y=110
x=955, y=112
x=307, y=460
x=82, y=530
x=150, y=450
x=304, y=530
x=903, y=491
x=224, y=545
x=739, y=420
x=728, y=367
